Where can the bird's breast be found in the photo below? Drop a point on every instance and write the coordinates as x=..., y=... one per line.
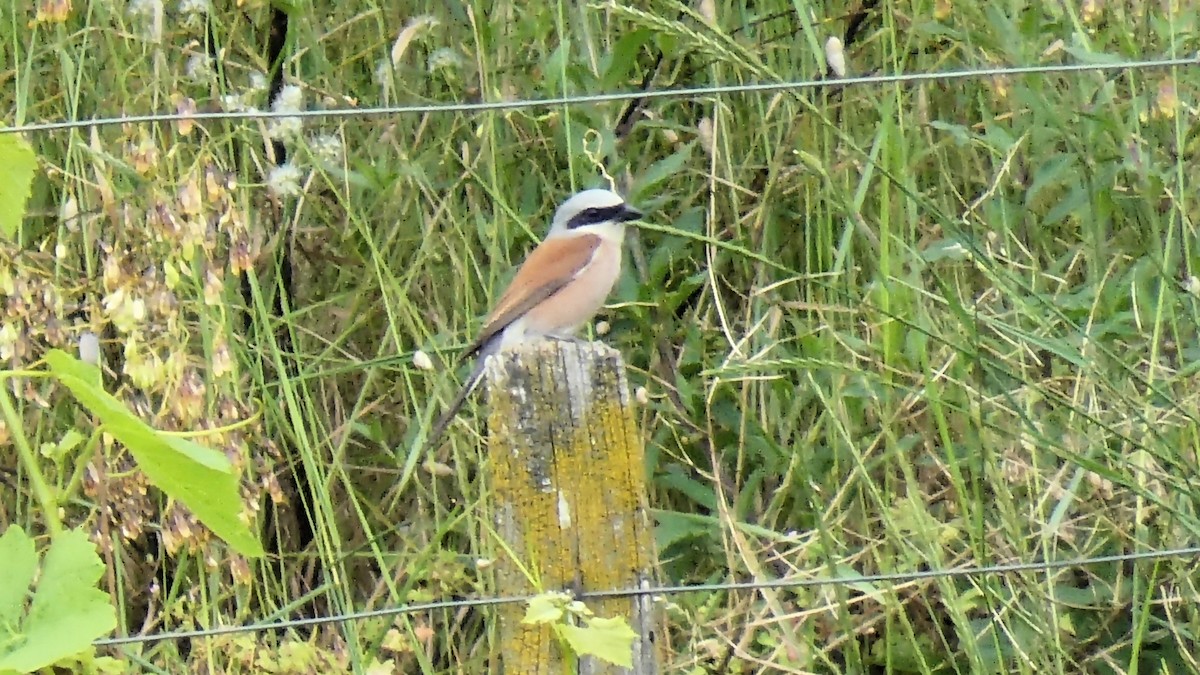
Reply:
x=577, y=302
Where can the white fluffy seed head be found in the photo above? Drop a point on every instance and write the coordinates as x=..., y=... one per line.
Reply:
x=835, y=56
x=422, y=361
x=89, y=348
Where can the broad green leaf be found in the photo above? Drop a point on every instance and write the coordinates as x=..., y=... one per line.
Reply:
x=19, y=562
x=69, y=442
x=848, y=575
x=673, y=528
x=1050, y=174
x=545, y=608
x=608, y=639
x=67, y=611
x=662, y=170
x=200, y=477
x=961, y=134
x=1097, y=58
x=555, y=68
x=623, y=57
x=1076, y=200
x=17, y=166
x=945, y=249
x=667, y=43
x=904, y=653
x=290, y=7
x=698, y=492
x=1000, y=640
x=1058, y=347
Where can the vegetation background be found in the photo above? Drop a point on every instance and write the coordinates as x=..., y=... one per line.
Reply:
x=880, y=328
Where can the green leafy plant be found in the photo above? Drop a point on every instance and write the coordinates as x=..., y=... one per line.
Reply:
x=17, y=166
x=53, y=613
x=609, y=639
x=200, y=477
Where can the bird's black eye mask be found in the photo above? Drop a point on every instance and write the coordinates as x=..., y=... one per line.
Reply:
x=603, y=214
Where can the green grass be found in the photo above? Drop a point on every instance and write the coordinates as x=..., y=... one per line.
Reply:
x=882, y=328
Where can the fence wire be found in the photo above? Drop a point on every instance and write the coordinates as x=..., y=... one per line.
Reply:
x=586, y=99
x=662, y=591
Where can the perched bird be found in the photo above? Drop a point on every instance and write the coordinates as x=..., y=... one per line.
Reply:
x=559, y=287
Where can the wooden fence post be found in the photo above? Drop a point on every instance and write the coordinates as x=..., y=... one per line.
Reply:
x=568, y=494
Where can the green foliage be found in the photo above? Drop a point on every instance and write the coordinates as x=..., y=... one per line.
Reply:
x=666, y=168
x=608, y=639
x=17, y=166
x=52, y=613
x=198, y=476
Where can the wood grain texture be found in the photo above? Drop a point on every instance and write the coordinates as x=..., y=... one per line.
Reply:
x=569, y=496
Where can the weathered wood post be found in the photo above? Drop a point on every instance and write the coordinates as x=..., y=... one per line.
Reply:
x=568, y=494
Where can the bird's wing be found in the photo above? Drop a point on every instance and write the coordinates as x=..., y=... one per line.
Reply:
x=550, y=266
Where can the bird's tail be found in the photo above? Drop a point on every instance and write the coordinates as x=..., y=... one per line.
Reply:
x=447, y=417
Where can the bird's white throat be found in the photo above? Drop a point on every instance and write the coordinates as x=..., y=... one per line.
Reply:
x=609, y=231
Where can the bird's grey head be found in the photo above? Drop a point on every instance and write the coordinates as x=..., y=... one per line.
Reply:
x=592, y=207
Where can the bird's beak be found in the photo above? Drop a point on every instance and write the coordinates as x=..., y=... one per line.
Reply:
x=629, y=213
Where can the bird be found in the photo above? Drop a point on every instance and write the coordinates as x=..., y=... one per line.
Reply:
x=563, y=282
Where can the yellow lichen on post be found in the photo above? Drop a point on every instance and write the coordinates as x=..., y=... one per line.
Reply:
x=568, y=493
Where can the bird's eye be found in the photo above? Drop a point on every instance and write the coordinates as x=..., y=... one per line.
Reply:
x=594, y=215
